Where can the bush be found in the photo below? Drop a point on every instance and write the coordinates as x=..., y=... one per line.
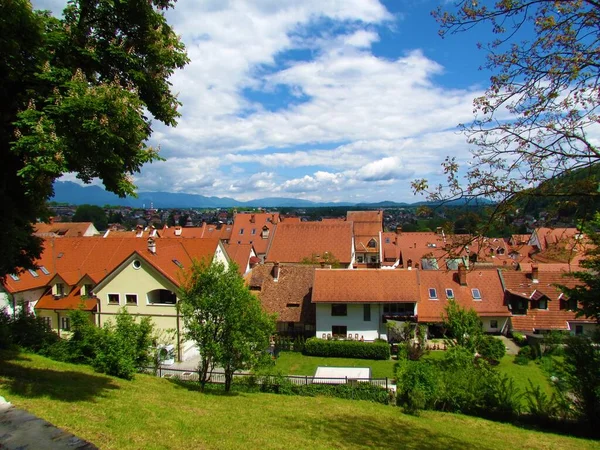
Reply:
x=31, y=332
x=491, y=348
x=347, y=349
x=6, y=340
x=519, y=339
x=521, y=360
x=417, y=385
x=531, y=352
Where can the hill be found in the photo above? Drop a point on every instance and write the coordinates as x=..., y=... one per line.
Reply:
x=153, y=413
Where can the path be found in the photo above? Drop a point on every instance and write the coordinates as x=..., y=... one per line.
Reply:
x=20, y=430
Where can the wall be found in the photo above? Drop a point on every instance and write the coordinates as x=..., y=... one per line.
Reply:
x=487, y=327
x=354, y=320
x=32, y=296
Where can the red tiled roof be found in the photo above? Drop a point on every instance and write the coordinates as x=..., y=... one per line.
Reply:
x=290, y=296
x=486, y=281
x=293, y=242
x=247, y=229
x=63, y=229
x=365, y=286
x=521, y=284
x=71, y=301
x=240, y=254
x=72, y=258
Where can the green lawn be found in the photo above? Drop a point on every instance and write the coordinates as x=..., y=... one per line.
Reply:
x=293, y=363
x=153, y=413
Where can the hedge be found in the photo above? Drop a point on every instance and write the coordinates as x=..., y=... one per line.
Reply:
x=347, y=349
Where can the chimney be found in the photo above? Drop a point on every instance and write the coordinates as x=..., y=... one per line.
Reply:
x=462, y=274
x=51, y=220
x=252, y=218
x=535, y=273
x=399, y=229
x=409, y=264
x=276, y=271
x=152, y=246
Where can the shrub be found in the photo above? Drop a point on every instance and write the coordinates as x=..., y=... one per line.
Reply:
x=519, y=339
x=417, y=385
x=347, y=349
x=491, y=348
x=31, y=332
x=5, y=330
x=521, y=360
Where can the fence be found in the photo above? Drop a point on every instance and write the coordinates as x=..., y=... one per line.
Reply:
x=219, y=378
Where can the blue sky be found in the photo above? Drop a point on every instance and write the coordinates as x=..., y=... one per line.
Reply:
x=325, y=100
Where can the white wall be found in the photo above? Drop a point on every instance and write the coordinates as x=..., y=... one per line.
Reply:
x=354, y=320
x=487, y=326
x=32, y=296
x=588, y=328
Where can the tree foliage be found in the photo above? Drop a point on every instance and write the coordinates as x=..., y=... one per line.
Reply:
x=224, y=319
x=77, y=95
x=463, y=325
x=587, y=294
x=91, y=213
x=538, y=117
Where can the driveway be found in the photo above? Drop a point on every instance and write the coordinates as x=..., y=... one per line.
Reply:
x=511, y=347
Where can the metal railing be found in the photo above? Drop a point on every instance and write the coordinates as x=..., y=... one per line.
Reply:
x=218, y=377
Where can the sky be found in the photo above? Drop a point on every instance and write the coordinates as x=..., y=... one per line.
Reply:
x=323, y=100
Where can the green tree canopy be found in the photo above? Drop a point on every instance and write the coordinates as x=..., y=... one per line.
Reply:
x=224, y=319
x=91, y=213
x=77, y=95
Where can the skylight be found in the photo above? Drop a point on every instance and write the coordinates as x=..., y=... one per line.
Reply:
x=432, y=293
x=449, y=293
x=476, y=294
x=178, y=263
x=44, y=270
x=14, y=276
x=33, y=273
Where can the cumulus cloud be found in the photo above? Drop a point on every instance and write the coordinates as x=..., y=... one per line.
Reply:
x=284, y=96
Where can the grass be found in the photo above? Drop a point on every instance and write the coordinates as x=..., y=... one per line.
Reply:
x=293, y=363
x=153, y=413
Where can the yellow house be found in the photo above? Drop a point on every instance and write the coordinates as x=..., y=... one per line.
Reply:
x=146, y=285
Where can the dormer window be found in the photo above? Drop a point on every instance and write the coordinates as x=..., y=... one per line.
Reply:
x=265, y=232
x=372, y=243
x=241, y=231
x=476, y=294
x=449, y=293
x=59, y=289
x=433, y=294
x=87, y=289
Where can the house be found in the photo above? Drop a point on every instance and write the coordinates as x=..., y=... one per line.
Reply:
x=312, y=242
x=367, y=227
x=255, y=229
x=65, y=229
x=358, y=303
x=243, y=255
x=480, y=290
x=286, y=291
x=538, y=305
x=146, y=283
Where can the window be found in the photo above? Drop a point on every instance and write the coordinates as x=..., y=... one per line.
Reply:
x=432, y=293
x=113, y=299
x=373, y=259
x=401, y=309
x=387, y=240
x=44, y=270
x=367, y=313
x=359, y=259
x=571, y=304
x=14, y=276
x=177, y=263
x=578, y=330
x=372, y=243
x=65, y=323
x=47, y=321
x=87, y=289
x=543, y=303
x=493, y=324
x=33, y=273
x=137, y=264
x=161, y=297
x=476, y=294
x=339, y=309
x=253, y=231
x=339, y=330
x=241, y=231
x=131, y=299
x=449, y=293
x=59, y=289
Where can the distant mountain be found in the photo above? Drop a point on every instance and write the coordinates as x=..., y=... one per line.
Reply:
x=75, y=194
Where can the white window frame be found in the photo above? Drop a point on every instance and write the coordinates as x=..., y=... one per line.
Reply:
x=434, y=291
x=113, y=303
x=476, y=297
x=136, y=299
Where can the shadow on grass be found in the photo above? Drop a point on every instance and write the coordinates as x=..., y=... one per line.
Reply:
x=360, y=431
x=210, y=388
x=67, y=386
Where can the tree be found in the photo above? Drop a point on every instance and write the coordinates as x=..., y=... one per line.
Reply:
x=224, y=319
x=587, y=294
x=535, y=121
x=91, y=213
x=463, y=325
x=77, y=95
